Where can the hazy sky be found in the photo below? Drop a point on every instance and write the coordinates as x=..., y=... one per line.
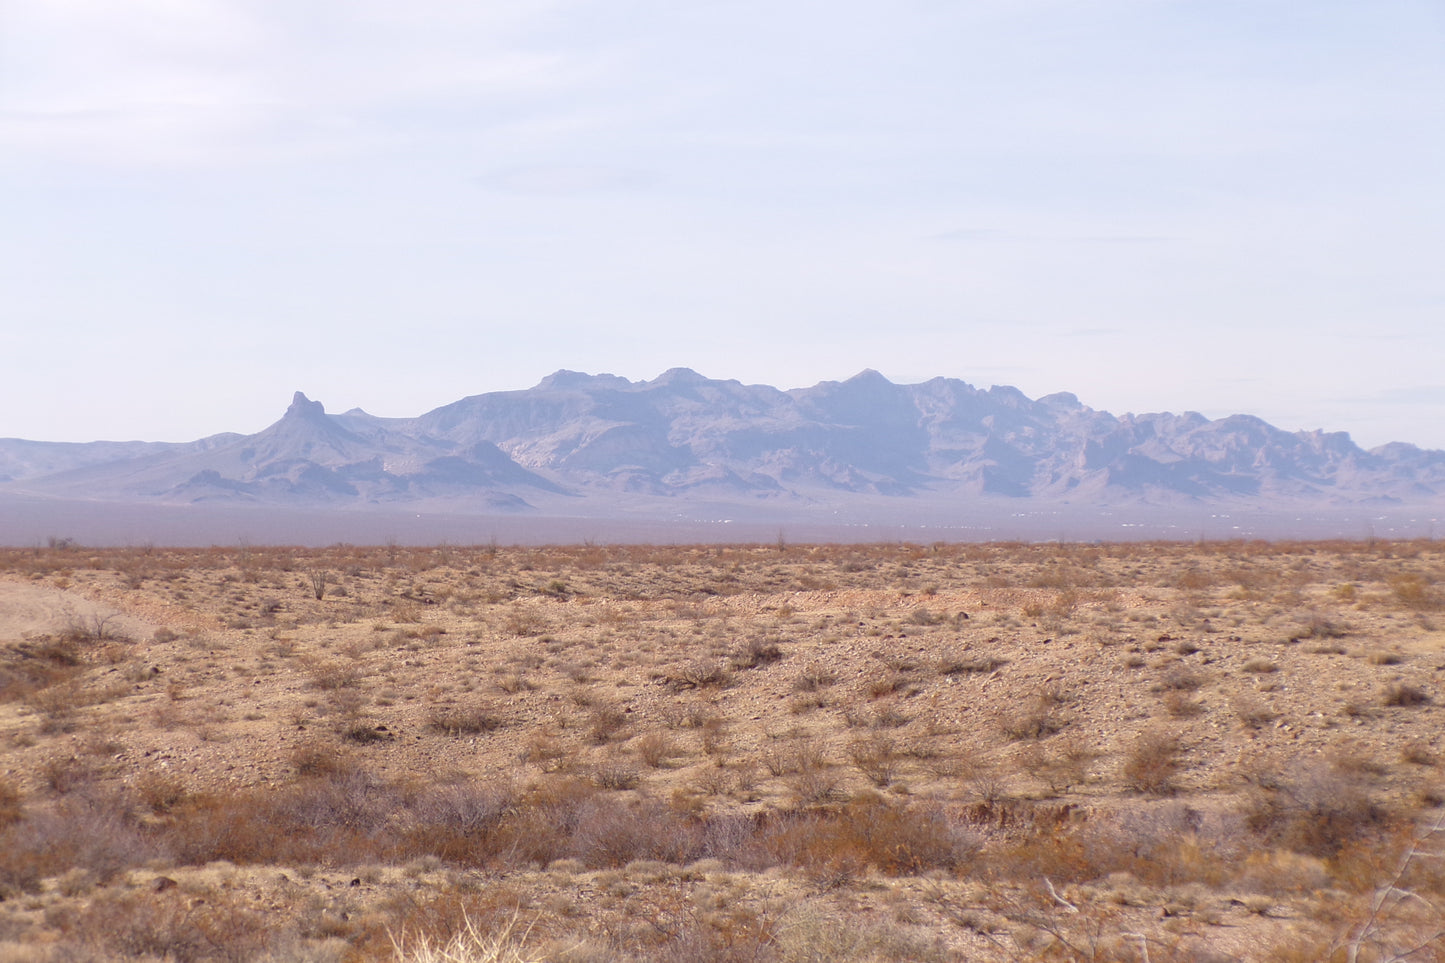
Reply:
x=1218, y=205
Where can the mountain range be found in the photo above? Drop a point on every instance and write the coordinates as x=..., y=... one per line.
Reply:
x=579, y=444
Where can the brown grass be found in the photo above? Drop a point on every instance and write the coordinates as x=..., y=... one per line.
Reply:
x=778, y=752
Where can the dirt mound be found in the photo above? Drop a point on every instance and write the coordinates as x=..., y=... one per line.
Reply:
x=28, y=610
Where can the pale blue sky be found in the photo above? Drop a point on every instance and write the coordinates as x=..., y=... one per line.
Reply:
x=1157, y=205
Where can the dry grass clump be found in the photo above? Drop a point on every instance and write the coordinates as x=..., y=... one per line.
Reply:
x=655, y=749
x=470, y=944
x=1405, y=694
x=1040, y=714
x=465, y=720
x=1152, y=763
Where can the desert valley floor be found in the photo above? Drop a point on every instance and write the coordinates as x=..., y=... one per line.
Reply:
x=1152, y=751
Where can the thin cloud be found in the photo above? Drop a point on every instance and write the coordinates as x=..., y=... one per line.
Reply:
x=988, y=235
x=1411, y=395
x=565, y=180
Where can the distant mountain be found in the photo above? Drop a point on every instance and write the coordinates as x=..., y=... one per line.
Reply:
x=588, y=444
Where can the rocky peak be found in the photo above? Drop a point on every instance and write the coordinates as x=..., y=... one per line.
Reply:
x=304, y=408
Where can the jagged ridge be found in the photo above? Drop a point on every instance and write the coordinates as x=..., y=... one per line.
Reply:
x=684, y=436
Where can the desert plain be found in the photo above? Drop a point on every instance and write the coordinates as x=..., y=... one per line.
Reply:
x=1147, y=752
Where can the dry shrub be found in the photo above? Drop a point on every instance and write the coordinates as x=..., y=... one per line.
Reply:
x=798, y=755
x=175, y=926
x=94, y=627
x=884, y=682
x=954, y=662
x=330, y=676
x=606, y=832
x=1181, y=678
x=605, y=722
x=343, y=818
x=29, y=667
x=1404, y=695
x=756, y=653
x=11, y=803
x=888, y=716
x=814, y=676
x=545, y=751
x=1419, y=752
x=1415, y=592
x=1036, y=717
x=655, y=748
x=320, y=758
x=465, y=936
x=68, y=774
x=700, y=673
x=1061, y=765
x=1252, y=712
x=96, y=833
x=870, y=832
x=1182, y=706
x=815, y=785
x=1317, y=810
x=876, y=756
x=1165, y=844
x=160, y=792
x=615, y=774
x=698, y=714
x=464, y=720
x=1152, y=762
x=458, y=823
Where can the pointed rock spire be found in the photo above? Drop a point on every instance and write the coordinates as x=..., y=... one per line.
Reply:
x=304, y=407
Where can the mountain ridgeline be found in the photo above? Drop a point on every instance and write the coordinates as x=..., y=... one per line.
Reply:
x=580, y=440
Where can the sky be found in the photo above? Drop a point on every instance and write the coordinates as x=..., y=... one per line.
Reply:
x=1227, y=206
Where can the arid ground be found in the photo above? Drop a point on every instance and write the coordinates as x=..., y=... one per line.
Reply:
x=1157, y=752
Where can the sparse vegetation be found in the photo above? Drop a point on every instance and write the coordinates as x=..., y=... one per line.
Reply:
x=777, y=752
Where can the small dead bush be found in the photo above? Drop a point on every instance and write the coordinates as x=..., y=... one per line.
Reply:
x=877, y=757
x=1152, y=763
x=814, y=676
x=604, y=723
x=320, y=759
x=1038, y=716
x=954, y=662
x=655, y=748
x=1404, y=695
x=615, y=774
x=1317, y=810
x=175, y=926
x=465, y=720
x=1179, y=705
x=756, y=653
x=1252, y=712
x=700, y=673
